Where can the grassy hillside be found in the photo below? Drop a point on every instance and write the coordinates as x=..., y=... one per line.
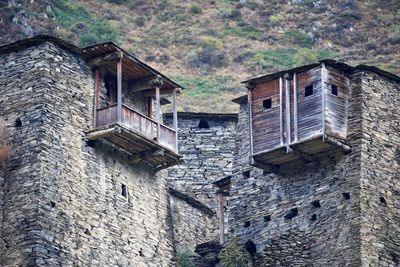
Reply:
x=210, y=46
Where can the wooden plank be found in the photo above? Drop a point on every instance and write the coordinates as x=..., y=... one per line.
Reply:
x=287, y=110
x=281, y=110
x=295, y=119
x=249, y=111
x=96, y=97
x=119, y=90
x=323, y=90
x=105, y=59
x=158, y=110
x=175, y=117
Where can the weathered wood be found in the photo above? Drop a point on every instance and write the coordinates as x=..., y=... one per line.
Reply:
x=323, y=90
x=295, y=118
x=175, y=117
x=119, y=90
x=102, y=133
x=191, y=201
x=141, y=85
x=221, y=218
x=281, y=110
x=158, y=111
x=287, y=110
x=96, y=97
x=105, y=59
x=250, y=111
x=143, y=156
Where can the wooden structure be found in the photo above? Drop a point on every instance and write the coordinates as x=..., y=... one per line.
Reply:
x=137, y=128
x=297, y=113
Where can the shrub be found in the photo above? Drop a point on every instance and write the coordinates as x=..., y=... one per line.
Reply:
x=248, y=32
x=210, y=53
x=305, y=56
x=275, y=20
x=5, y=147
x=195, y=9
x=234, y=255
x=298, y=38
x=184, y=258
x=88, y=39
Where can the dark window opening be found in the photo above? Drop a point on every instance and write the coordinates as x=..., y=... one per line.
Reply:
x=87, y=232
x=246, y=224
x=203, y=124
x=334, y=89
x=110, y=83
x=246, y=174
x=316, y=204
x=52, y=204
x=346, y=196
x=18, y=122
x=309, y=90
x=267, y=103
x=382, y=200
x=250, y=247
x=267, y=218
x=124, y=190
x=91, y=143
x=313, y=217
x=291, y=214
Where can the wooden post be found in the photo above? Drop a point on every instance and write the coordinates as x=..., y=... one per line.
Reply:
x=150, y=107
x=119, y=90
x=323, y=86
x=221, y=218
x=281, y=109
x=157, y=83
x=250, y=87
x=288, y=130
x=96, y=97
x=175, y=117
x=295, y=116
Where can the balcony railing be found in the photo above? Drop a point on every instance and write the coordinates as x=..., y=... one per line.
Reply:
x=139, y=124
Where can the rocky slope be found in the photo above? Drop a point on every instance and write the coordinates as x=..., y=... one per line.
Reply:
x=210, y=46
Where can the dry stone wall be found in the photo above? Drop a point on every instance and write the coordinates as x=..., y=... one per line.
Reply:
x=307, y=213
x=63, y=203
x=208, y=156
x=380, y=180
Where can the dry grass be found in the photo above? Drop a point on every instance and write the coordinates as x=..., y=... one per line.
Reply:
x=5, y=146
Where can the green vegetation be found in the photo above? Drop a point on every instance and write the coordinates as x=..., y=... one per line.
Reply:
x=196, y=9
x=274, y=20
x=233, y=255
x=297, y=38
x=90, y=29
x=183, y=258
x=286, y=58
x=247, y=31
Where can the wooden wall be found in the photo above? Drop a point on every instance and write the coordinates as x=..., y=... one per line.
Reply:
x=266, y=122
x=336, y=105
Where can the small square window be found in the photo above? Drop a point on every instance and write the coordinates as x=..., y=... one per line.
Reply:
x=309, y=90
x=267, y=103
x=334, y=89
x=124, y=190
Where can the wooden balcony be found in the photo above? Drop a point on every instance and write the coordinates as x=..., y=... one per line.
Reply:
x=144, y=138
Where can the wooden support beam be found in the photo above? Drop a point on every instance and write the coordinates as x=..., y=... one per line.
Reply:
x=105, y=59
x=295, y=116
x=96, y=97
x=175, y=117
x=221, y=218
x=143, y=156
x=346, y=148
x=287, y=111
x=264, y=166
x=162, y=92
x=102, y=133
x=119, y=90
x=157, y=83
x=250, y=87
x=141, y=85
x=281, y=110
x=323, y=88
x=304, y=156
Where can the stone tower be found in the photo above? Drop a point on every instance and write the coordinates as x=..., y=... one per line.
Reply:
x=319, y=201
x=84, y=185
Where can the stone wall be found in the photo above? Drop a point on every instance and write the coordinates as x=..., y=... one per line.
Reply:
x=307, y=213
x=208, y=156
x=380, y=181
x=63, y=203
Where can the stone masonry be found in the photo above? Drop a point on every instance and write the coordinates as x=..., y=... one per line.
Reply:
x=62, y=202
x=207, y=143
x=336, y=210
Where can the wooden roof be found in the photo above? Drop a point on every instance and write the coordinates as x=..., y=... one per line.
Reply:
x=132, y=68
x=329, y=62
